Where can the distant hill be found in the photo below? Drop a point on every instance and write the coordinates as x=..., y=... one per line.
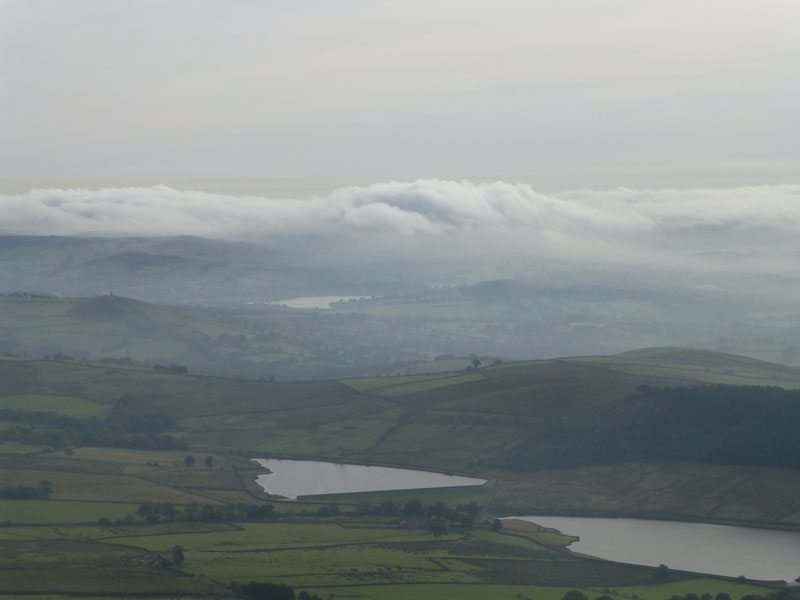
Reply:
x=110, y=327
x=266, y=342
x=512, y=307
x=177, y=270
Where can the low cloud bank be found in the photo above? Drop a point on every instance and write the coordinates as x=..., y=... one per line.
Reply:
x=580, y=223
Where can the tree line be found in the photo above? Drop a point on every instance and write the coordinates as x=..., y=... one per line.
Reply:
x=264, y=590
x=121, y=429
x=42, y=491
x=782, y=594
x=718, y=424
x=155, y=512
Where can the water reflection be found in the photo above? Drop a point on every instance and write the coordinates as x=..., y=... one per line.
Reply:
x=717, y=549
x=293, y=478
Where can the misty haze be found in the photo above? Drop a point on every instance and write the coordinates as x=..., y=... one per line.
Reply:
x=305, y=300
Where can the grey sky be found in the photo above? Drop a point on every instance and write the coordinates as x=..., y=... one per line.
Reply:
x=146, y=92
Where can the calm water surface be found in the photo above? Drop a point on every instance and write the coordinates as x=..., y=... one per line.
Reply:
x=316, y=301
x=293, y=478
x=721, y=550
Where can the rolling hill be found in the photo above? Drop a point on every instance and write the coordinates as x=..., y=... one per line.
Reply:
x=589, y=434
x=414, y=311
x=111, y=327
x=266, y=341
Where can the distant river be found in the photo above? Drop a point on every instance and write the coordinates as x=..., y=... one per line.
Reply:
x=717, y=549
x=293, y=478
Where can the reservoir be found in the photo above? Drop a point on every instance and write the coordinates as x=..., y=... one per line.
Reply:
x=763, y=554
x=316, y=301
x=293, y=478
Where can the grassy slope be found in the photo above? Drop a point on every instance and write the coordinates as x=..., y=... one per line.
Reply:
x=445, y=422
x=670, y=490
x=438, y=421
x=366, y=553
x=106, y=326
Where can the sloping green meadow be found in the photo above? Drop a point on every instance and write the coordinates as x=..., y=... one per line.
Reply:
x=64, y=405
x=260, y=536
x=55, y=511
x=87, y=540
x=17, y=448
x=530, y=592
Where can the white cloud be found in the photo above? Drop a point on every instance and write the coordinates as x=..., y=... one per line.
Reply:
x=460, y=216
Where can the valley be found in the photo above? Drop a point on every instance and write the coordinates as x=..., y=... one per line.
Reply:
x=204, y=304
x=399, y=300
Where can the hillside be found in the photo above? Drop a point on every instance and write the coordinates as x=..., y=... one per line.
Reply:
x=261, y=342
x=520, y=423
x=176, y=270
x=111, y=327
x=412, y=311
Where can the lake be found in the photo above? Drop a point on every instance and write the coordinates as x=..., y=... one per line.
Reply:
x=717, y=549
x=316, y=301
x=293, y=478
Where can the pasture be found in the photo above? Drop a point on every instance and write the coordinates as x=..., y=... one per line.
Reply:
x=64, y=405
x=55, y=511
x=536, y=592
x=87, y=538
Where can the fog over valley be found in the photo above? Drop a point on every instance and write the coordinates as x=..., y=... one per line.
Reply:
x=441, y=268
x=452, y=299
x=738, y=229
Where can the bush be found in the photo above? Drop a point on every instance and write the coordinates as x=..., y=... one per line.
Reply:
x=256, y=590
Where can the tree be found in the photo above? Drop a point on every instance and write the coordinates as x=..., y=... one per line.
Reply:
x=149, y=512
x=438, y=528
x=413, y=508
x=328, y=510
x=209, y=461
x=437, y=510
x=452, y=516
x=189, y=460
x=256, y=590
x=497, y=525
x=661, y=572
x=476, y=362
x=177, y=555
x=389, y=508
x=472, y=509
x=465, y=520
x=45, y=488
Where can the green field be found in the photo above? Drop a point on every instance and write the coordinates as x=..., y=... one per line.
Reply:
x=92, y=486
x=17, y=448
x=107, y=326
x=531, y=592
x=255, y=536
x=65, y=405
x=409, y=384
x=452, y=496
x=53, y=511
x=89, y=539
x=429, y=384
